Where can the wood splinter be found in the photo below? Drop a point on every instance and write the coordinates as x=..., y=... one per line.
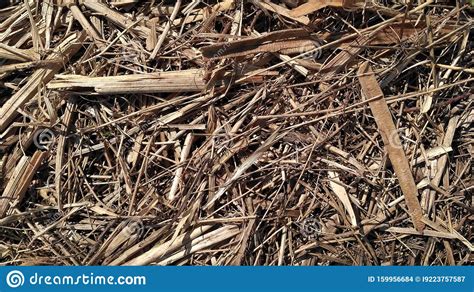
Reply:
x=372, y=91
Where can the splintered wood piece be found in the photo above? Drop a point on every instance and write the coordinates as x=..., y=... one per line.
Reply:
x=173, y=81
x=413, y=231
x=270, y=42
x=12, y=53
x=314, y=5
x=441, y=226
x=118, y=18
x=91, y=31
x=281, y=10
x=405, y=31
x=178, y=176
x=63, y=51
x=121, y=3
x=447, y=141
x=341, y=193
x=166, y=30
x=170, y=247
x=198, y=15
x=342, y=59
x=432, y=153
x=27, y=65
x=8, y=196
x=20, y=181
x=372, y=92
x=204, y=241
x=66, y=121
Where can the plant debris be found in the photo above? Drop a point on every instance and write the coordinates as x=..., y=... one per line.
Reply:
x=282, y=132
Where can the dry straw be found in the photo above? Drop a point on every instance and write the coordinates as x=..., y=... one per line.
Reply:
x=280, y=132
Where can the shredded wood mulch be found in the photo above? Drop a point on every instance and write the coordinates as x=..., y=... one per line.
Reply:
x=236, y=132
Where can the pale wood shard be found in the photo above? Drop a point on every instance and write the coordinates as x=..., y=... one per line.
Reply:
x=270, y=42
x=12, y=53
x=91, y=31
x=122, y=3
x=15, y=16
x=59, y=167
x=8, y=196
x=314, y=5
x=191, y=80
x=178, y=176
x=35, y=37
x=20, y=181
x=413, y=231
x=15, y=156
x=63, y=51
x=341, y=193
x=174, y=81
x=392, y=144
x=441, y=226
x=27, y=65
x=446, y=144
x=240, y=255
x=285, y=12
x=342, y=59
x=159, y=251
x=199, y=15
x=432, y=153
x=438, y=167
x=136, y=249
x=118, y=18
x=202, y=242
x=166, y=29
